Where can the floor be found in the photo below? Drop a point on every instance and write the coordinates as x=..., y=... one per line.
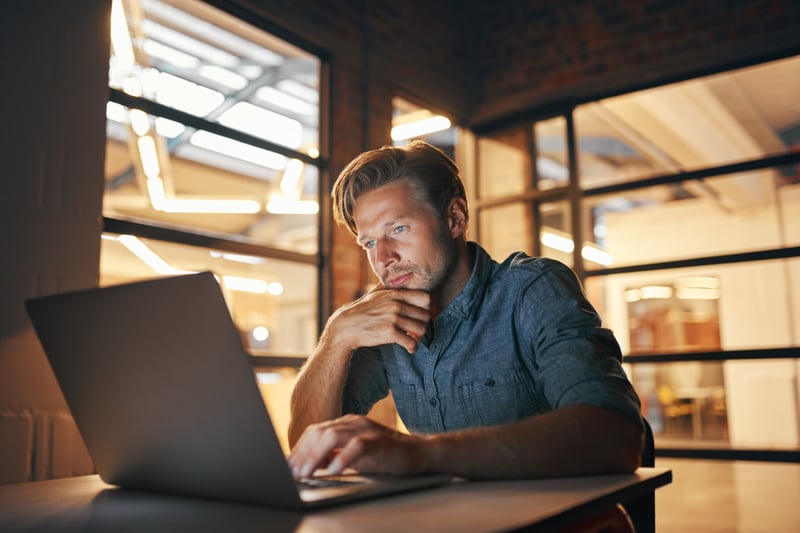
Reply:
x=728, y=496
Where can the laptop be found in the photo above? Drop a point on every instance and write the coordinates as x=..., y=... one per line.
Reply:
x=165, y=397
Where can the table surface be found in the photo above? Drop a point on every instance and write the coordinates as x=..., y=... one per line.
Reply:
x=86, y=503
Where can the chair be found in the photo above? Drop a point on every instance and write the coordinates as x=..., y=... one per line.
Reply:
x=642, y=510
x=635, y=516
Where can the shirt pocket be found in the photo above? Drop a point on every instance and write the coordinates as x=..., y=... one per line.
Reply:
x=498, y=399
x=405, y=401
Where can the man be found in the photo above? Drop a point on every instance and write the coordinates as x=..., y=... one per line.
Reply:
x=497, y=370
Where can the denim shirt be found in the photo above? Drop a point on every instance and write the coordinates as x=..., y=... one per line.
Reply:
x=520, y=339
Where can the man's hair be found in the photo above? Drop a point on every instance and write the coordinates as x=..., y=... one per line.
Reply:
x=431, y=173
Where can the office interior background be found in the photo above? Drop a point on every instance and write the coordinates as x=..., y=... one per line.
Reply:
x=652, y=146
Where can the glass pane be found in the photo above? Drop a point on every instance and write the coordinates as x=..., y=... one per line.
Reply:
x=733, y=213
x=248, y=193
x=503, y=164
x=737, y=404
x=273, y=302
x=556, y=232
x=552, y=161
x=729, y=307
x=683, y=400
x=195, y=58
x=412, y=122
x=506, y=229
x=726, y=118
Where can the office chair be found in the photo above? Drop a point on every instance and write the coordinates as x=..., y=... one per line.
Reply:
x=642, y=510
x=635, y=516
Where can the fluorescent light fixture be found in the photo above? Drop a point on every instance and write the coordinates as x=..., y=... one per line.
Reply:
x=300, y=90
x=169, y=128
x=275, y=288
x=261, y=333
x=238, y=150
x=596, y=255
x=120, y=38
x=292, y=179
x=148, y=256
x=286, y=101
x=226, y=77
x=237, y=258
x=420, y=127
x=181, y=41
x=557, y=242
x=148, y=156
x=279, y=205
x=264, y=124
x=210, y=205
x=564, y=244
x=175, y=58
x=236, y=283
x=656, y=292
x=697, y=293
x=140, y=122
x=268, y=378
x=116, y=112
x=187, y=96
x=155, y=191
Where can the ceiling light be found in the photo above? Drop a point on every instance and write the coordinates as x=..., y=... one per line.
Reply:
x=239, y=150
x=419, y=128
x=279, y=205
x=264, y=124
x=148, y=256
x=288, y=102
x=236, y=283
x=120, y=38
x=175, y=58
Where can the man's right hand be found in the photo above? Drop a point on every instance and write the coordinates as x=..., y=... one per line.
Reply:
x=382, y=316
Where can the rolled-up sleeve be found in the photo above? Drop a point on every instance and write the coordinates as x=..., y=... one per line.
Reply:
x=574, y=360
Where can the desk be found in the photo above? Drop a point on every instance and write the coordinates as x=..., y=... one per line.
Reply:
x=87, y=504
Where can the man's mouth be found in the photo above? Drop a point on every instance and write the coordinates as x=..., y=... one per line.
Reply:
x=398, y=281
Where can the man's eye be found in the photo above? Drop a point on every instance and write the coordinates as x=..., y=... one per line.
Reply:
x=368, y=244
x=400, y=229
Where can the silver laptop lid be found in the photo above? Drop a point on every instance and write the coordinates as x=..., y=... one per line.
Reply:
x=163, y=391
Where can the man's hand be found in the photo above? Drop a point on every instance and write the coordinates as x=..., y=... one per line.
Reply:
x=357, y=442
x=382, y=316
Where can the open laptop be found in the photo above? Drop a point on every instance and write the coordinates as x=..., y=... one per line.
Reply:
x=165, y=397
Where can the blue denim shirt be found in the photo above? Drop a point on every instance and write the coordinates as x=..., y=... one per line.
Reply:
x=519, y=340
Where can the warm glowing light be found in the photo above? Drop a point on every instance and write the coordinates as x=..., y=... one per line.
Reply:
x=236, y=283
x=120, y=38
x=148, y=256
x=275, y=288
x=139, y=122
x=421, y=127
x=148, y=156
x=278, y=205
x=260, y=333
x=211, y=205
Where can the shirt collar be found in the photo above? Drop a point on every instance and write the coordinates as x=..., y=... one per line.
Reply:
x=466, y=303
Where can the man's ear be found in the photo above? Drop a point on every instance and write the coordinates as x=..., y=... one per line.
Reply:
x=457, y=216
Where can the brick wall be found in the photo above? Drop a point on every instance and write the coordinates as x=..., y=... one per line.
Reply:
x=529, y=54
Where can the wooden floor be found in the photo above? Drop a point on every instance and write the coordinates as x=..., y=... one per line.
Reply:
x=728, y=496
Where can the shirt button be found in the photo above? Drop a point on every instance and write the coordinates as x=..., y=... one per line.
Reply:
x=433, y=402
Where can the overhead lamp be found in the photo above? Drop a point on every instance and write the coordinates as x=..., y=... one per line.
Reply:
x=562, y=243
x=120, y=38
x=419, y=128
x=148, y=256
x=237, y=283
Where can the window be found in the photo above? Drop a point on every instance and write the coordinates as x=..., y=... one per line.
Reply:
x=213, y=163
x=679, y=207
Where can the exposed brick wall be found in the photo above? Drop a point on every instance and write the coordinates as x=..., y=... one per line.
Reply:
x=530, y=53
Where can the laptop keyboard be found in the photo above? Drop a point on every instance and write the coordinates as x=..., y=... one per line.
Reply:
x=321, y=482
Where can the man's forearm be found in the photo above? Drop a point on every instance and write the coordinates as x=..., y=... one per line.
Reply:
x=317, y=395
x=575, y=440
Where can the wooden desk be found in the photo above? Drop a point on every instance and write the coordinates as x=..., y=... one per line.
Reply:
x=87, y=504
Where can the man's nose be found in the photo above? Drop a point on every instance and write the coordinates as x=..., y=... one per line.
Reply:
x=385, y=254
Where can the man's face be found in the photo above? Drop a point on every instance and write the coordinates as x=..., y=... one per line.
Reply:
x=406, y=244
